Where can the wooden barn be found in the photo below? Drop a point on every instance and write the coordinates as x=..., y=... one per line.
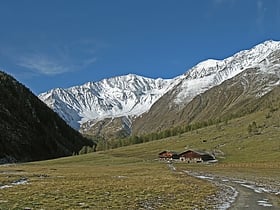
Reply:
x=192, y=156
x=168, y=155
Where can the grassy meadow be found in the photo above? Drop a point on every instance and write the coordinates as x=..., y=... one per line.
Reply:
x=132, y=178
x=101, y=181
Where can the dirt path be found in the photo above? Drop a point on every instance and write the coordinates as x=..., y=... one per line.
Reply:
x=241, y=194
x=249, y=198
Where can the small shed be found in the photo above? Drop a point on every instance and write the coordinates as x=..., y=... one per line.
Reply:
x=168, y=155
x=193, y=156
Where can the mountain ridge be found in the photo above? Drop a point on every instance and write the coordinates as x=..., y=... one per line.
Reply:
x=226, y=99
x=179, y=91
x=129, y=95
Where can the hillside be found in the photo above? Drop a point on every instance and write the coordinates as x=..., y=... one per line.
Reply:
x=229, y=100
x=237, y=96
x=108, y=128
x=132, y=177
x=29, y=130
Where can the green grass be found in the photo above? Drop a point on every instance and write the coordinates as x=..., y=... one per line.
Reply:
x=132, y=177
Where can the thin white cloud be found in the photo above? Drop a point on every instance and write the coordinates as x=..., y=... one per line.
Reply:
x=53, y=59
x=261, y=10
x=42, y=64
x=88, y=62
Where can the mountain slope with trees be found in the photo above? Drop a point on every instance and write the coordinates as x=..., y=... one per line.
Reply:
x=29, y=130
x=245, y=93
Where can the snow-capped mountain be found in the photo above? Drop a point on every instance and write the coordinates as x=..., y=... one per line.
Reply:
x=129, y=95
x=133, y=95
x=210, y=73
x=216, y=89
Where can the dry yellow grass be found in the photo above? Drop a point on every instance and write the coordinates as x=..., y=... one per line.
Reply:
x=131, y=178
x=88, y=182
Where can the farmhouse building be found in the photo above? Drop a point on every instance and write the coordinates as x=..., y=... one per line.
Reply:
x=168, y=155
x=192, y=156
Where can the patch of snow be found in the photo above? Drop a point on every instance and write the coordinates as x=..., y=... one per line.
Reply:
x=5, y=186
x=229, y=200
x=264, y=203
x=239, y=181
x=15, y=183
x=204, y=177
x=120, y=177
x=256, y=189
x=20, y=181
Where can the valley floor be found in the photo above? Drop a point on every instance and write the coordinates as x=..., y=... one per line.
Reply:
x=117, y=183
x=114, y=183
x=132, y=177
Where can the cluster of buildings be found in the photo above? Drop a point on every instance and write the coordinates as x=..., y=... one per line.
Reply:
x=189, y=156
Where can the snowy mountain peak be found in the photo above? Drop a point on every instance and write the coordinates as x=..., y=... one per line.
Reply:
x=210, y=73
x=132, y=95
x=204, y=68
x=210, y=63
x=129, y=95
x=269, y=44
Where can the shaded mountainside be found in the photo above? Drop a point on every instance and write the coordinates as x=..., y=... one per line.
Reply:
x=29, y=130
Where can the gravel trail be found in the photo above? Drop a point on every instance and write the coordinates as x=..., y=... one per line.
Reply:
x=242, y=194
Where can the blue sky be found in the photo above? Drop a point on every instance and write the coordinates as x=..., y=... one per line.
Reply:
x=61, y=43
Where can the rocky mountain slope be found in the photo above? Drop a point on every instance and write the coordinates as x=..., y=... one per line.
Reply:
x=241, y=95
x=236, y=96
x=123, y=96
x=152, y=105
x=29, y=130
